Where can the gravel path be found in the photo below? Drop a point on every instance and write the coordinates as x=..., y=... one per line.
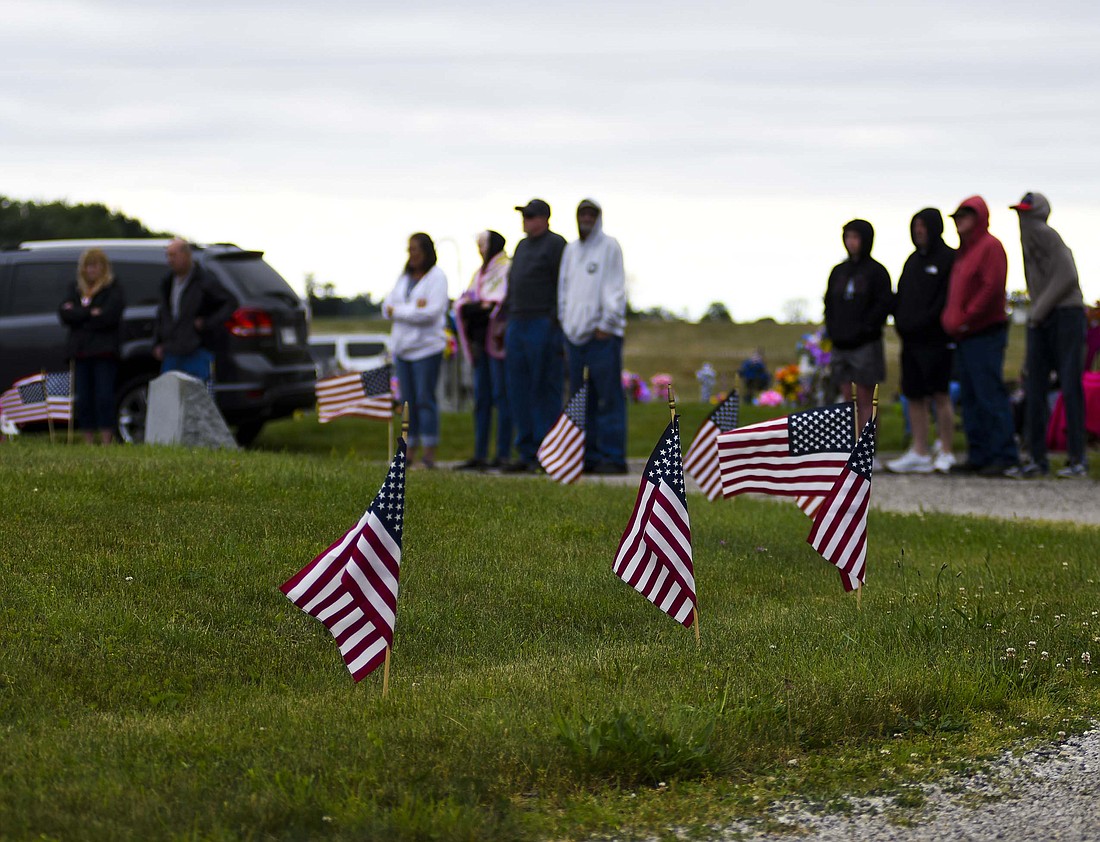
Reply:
x=1047, y=793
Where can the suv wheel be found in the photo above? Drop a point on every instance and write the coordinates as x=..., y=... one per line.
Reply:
x=132, y=407
x=247, y=432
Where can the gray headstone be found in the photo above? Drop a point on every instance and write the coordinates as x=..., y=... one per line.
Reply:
x=181, y=411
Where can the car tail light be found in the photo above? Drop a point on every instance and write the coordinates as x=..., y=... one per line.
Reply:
x=248, y=321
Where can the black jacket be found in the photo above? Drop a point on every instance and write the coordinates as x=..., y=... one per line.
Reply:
x=858, y=298
x=533, y=277
x=203, y=297
x=93, y=335
x=922, y=287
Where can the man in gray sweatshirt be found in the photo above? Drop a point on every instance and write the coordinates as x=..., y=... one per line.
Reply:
x=1055, y=338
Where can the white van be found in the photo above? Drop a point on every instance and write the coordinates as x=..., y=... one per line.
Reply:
x=343, y=352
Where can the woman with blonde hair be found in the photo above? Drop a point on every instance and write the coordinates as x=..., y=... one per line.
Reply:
x=93, y=312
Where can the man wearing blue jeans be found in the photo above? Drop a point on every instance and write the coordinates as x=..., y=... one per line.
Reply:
x=533, y=340
x=592, y=311
x=193, y=309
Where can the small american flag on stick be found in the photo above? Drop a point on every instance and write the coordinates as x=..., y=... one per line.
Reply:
x=798, y=455
x=59, y=401
x=25, y=402
x=561, y=453
x=352, y=586
x=839, y=532
x=701, y=459
x=654, y=555
x=365, y=394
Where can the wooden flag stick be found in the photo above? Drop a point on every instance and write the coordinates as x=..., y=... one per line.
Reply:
x=855, y=421
x=386, y=675
x=389, y=435
x=49, y=416
x=671, y=402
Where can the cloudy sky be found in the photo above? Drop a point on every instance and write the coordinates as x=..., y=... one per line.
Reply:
x=728, y=142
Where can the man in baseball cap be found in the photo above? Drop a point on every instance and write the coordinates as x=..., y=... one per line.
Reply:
x=533, y=351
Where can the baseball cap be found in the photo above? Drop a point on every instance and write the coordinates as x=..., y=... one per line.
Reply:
x=536, y=207
x=1025, y=204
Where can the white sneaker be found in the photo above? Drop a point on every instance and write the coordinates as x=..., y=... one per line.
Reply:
x=911, y=463
x=937, y=449
x=944, y=462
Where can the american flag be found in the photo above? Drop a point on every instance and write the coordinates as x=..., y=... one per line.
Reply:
x=562, y=451
x=352, y=586
x=59, y=400
x=25, y=401
x=654, y=555
x=839, y=532
x=366, y=394
x=701, y=459
x=797, y=455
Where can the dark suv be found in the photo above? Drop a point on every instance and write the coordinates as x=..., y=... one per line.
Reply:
x=263, y=370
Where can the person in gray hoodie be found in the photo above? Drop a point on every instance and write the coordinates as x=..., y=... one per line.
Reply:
x=1055, y=338
x=592, y=312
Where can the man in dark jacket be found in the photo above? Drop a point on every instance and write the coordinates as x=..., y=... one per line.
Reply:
x=925, y=347
x=534, y=355
x=1055, y=338
x=857, y=301
x=975, y=318
x=193, y=309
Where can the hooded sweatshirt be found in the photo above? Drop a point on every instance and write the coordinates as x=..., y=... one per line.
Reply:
x=592, y=285
x=1049, y=268
x=858, y=297
x=922, y=287
x=976, y=293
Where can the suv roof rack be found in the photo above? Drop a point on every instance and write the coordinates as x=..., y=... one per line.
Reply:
x=35, y=245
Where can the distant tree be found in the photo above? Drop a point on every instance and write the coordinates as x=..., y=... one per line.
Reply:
x=323, y=301
x=25, y=220
x=717, y=312
x=795, y=311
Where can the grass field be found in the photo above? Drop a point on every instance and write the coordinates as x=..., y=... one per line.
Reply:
x=154, y=684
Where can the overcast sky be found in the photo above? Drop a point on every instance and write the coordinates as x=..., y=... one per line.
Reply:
x=727, y=142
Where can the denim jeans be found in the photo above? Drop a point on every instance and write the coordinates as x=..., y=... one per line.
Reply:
x=417, y=380
x=199, y=363
x=95, y=392
x=536, y=374
x=491, y=392
x=987, y=416
x=1056, y=345
x=605, y=417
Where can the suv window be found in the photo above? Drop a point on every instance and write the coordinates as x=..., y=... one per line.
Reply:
x=254, y=277
x=38, y=288
x=365, y=349
x=140, y=281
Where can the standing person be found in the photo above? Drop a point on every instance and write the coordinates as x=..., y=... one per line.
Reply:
x=191, y=316
x=533, y=340
x=1056, y=328
x=417, y=307
x=592, y=312
x=480, y=323
x=925, y=347
x=93, y=312
x=975, y=318
x=857, y=301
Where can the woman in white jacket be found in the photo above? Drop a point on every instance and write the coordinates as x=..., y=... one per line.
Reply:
x=417, y=306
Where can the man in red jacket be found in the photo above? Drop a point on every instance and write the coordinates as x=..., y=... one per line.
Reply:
x=975, y=318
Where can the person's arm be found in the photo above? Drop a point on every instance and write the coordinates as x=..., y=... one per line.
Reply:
x=72, y=311
x=107, y=314
x=218, y=305
x=612, y=295
x=1061, y=272
x=563, y=288
x=880, y=302
x=992, y=274
x=428, y=303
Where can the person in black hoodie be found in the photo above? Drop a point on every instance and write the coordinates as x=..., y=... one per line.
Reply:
x=926, y=349
x=857, y=301
x=93, y=312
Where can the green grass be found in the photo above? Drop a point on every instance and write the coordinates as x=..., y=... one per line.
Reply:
x=154, y=684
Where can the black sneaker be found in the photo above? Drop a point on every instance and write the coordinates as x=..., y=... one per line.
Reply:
x=519, y=468
x=609, y=469
x=1029, y=470
x=964, y=468
x=472, y=465
x=498, y=464
x=995, y=469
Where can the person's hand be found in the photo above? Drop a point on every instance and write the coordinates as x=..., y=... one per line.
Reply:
x=158, y=352
x=486, y=305
x=601, y=334
x=198, y=324
x=389, y=311
x=68, y=305
x=96, y=311
x=421, y=303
